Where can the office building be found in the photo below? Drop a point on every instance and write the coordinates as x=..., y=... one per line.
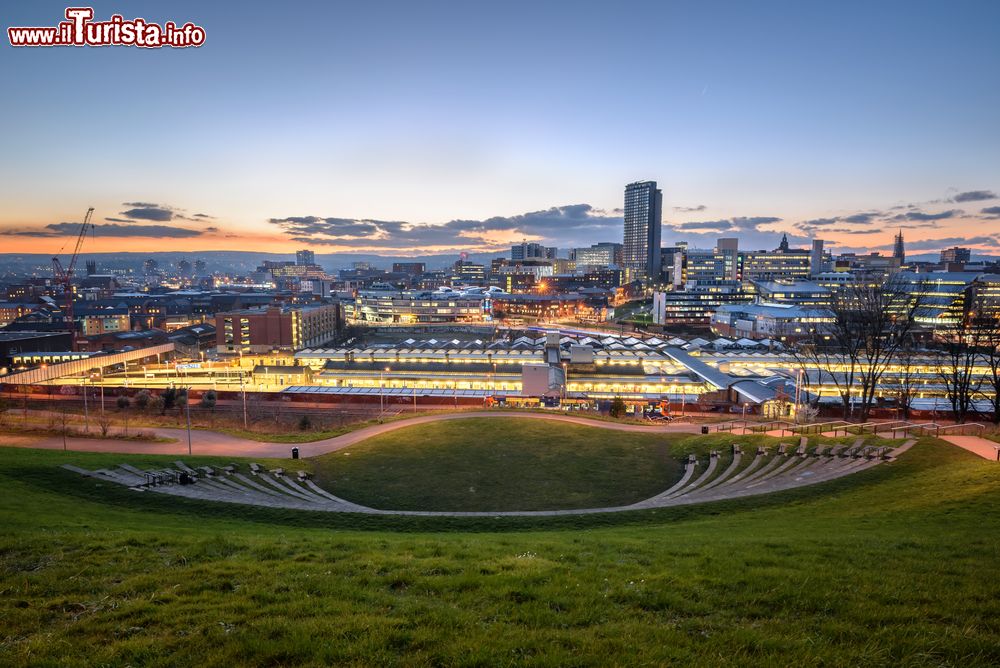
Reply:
x=641, y=246
x=412, y=268
x=305, y=257
x=956, y=254
x=816, y=260
x=603, y=254
x=414, y=307
x=728, y=250
x=276, y=328
x=531, y=251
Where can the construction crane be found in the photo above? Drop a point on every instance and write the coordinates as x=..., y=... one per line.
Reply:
x=64, y=276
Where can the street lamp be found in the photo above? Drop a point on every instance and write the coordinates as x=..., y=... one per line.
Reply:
x=381, y=392
x=86, y=413
x=243, y=391
x=100, y=372
x=187, y=411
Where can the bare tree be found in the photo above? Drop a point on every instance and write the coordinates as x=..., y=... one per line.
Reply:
x=869, y=321
x=904, y=384
x=961, y=348
x=884, y=317
x=123, y=405
x=987, y=321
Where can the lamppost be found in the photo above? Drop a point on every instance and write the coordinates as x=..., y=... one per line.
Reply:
x=565, y=387
x=100, y=373
x=86, y=413
x=187, y=412
x=243, y=391
x=381, y=392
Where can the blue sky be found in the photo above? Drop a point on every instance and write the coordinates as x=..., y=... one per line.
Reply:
x=416, y=114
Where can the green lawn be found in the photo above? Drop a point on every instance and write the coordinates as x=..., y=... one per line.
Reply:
x=896, y=566
x=500, y=464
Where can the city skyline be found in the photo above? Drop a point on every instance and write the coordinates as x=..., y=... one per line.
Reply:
x=773, y=120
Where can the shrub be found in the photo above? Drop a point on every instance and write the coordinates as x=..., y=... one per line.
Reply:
x=142, y=399
x=208, y=400
x=617, y=407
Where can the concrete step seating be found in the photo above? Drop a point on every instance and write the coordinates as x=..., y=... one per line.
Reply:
x=770, y=470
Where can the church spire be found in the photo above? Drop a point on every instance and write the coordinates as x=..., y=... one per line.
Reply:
x=898, y=251
x=783, y=246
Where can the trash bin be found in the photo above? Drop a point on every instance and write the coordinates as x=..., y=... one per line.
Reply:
x=295, y=453
x=704, y=429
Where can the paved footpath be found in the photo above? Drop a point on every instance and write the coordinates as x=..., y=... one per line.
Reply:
x=985, y=448
x=215, y=443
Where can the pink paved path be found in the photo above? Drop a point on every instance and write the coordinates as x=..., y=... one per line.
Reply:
x=219, y=444
x=985, y=448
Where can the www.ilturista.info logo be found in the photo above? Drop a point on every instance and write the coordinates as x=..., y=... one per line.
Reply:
x=80, y=30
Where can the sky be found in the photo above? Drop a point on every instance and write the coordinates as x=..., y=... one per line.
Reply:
x=439, y=127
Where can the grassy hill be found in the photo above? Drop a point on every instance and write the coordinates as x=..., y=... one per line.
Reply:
x=893, y=566
x=500, y=464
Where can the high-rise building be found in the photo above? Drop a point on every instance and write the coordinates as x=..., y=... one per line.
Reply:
x=184, y=268
x=816, y=257
x=956, y=254
x=150, y=266
x=729, y=250
x=641, y=247
x=304, y=257
x=898, y=251
x=199, y=267
x=531, y=251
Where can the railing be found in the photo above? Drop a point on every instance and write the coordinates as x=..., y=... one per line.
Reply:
x=966, y=425
x=770, y=426
x=819, y=427
x=934, y=429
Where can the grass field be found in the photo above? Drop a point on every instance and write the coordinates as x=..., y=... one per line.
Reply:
x=500, y=464
x=896, y=566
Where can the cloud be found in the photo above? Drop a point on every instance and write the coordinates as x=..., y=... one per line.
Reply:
x=921, y=216
x=753, y=223
x=947, y=242
x=153, y=213
x=817, y=222
x=720, y=225
x=862, y=218
x=157, y=213
x=131, y=230
x=569, y=225
x=975, y=196
x=690, y=209
x=736, y=224
x=991, y=211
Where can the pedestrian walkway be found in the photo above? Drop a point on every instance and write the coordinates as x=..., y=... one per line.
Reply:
x=213, y=443
x=983, y=447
